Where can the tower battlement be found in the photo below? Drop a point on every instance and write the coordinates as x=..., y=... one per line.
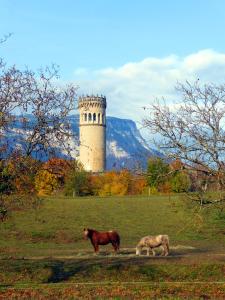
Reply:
x=92, y=98
x=92, y=132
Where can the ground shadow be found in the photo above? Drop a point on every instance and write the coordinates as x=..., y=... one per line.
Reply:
x=64, y=270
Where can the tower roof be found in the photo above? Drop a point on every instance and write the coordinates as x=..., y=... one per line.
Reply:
x=91, y=98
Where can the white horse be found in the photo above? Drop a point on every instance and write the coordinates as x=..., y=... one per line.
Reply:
x=151, y=242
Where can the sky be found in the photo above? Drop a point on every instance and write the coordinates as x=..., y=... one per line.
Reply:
x=130, y=51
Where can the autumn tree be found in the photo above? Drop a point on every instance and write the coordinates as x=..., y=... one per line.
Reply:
x=52, y=175
x=192, y=131
x=59, y=167
x=22, y=172
x=17, y=184
x=46, y=183
x=138, y=185
x=114, y=183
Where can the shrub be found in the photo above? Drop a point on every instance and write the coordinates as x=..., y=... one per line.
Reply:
x=77, y=184
x=180, y=182
x=157, y=172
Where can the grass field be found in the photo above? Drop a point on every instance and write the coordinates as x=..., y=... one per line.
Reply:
x=45, y=247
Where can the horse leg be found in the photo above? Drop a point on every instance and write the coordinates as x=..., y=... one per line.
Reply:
x=166, y=249
x=153, y=252
x=96, y=247
x=115, y=246
x=163, y=250
x=138, y=250
x=148, y=250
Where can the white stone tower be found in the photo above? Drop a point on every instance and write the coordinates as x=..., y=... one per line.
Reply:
x=92, y=132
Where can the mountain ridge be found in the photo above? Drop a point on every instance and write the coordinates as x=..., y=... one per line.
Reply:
x=125, y=146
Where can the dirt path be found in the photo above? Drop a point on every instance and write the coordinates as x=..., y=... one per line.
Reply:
x=178, y=254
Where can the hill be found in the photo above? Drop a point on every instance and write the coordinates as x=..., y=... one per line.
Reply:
x=125, y=147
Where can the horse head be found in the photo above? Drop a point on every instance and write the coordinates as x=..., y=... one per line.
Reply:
x=86, y=233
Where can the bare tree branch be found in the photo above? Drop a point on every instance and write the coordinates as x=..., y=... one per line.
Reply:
x=193, y=131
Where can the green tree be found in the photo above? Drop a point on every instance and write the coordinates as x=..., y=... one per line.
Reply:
x=181, y=182
x=157, y=172
x=77, y=184
x=5, y=179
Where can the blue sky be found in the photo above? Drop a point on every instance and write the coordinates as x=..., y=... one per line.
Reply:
x=132, y=51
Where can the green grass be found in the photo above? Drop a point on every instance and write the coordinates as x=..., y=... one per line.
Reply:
x=19, y=272
x=46, y=246
x=56, y=228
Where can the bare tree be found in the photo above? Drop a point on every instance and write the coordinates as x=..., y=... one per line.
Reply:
x=193, y=131
x=12, y=86
x=10, y=81
x=40, y=106
x=50, y=104
x=40, y=95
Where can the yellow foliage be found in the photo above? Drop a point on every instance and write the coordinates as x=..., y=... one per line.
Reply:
x=117, y=183
x=105, y=190
x=46, y=182
x=153, y=190
x=119, y=188
x=114, y=183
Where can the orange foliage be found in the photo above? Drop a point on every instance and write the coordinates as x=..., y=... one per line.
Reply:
x=23, y=171
x=138, y=185
x=165, y=187
x=176, y=165
x=58, y=167
x=52, y=175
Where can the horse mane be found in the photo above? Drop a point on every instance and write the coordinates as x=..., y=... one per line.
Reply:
x=91, y=232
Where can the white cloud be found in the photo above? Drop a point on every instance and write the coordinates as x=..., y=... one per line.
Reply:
x=202, y=60
x=134, y=85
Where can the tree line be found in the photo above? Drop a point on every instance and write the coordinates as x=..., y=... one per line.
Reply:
x=20, y=175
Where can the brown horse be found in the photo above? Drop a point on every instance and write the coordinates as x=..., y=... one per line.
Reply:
x=102, y=238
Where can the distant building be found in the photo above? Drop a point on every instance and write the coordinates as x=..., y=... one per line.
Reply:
x=93, y=132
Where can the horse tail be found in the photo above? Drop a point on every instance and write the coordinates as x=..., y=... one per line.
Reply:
x=118, y=241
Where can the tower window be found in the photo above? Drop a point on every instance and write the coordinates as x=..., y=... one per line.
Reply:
x=98, y=118
x=103, y=119
x=85, y=117
x=89, y=117
x=94, y=117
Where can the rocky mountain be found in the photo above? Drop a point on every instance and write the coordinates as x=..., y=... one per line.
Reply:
x=125, y=147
